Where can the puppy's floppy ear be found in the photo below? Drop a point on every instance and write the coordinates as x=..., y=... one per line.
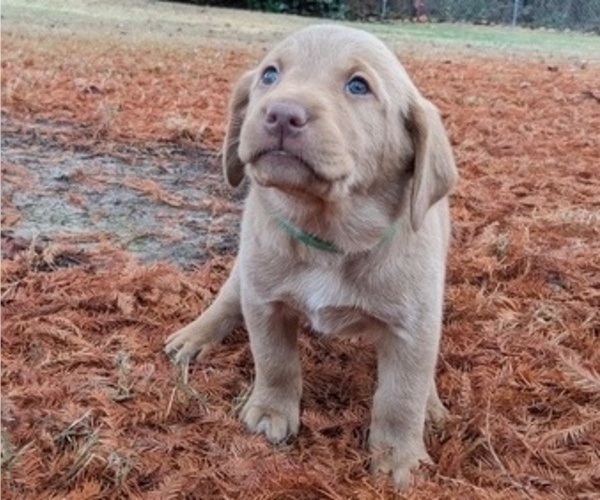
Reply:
x=434, y=169
x=233, y=167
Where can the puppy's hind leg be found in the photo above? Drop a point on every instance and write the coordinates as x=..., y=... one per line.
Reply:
x=437, y=413
x=211, y=327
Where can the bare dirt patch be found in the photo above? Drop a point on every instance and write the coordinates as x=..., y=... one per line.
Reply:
x=109, y=156
x=164, y=203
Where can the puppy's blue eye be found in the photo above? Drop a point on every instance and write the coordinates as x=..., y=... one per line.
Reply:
x=358, y=86
x=269, y=76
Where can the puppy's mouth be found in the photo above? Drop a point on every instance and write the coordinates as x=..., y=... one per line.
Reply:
x=283, y=158
x=287, y=171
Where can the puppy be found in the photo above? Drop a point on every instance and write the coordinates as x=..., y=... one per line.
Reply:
x=346, y=228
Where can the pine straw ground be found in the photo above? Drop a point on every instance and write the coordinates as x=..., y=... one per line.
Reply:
x=91, y=408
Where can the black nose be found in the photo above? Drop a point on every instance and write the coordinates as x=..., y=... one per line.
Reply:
x=285, y=118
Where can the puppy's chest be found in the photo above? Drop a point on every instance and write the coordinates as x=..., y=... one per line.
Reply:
x=331, y=304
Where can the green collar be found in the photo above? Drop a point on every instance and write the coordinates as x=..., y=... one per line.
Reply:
x=314, y=241
x=308, y=239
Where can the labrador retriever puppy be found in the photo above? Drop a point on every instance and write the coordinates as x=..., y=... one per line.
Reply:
x=345, y=228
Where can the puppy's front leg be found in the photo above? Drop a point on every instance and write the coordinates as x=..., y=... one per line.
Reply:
x=212, y=326
x=406, y=364
x=273, y=408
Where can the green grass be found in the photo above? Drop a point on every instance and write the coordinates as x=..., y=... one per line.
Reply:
x=185, y=24
x=491, y=38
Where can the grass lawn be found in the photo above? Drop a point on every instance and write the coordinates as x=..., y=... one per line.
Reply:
x=190, y=24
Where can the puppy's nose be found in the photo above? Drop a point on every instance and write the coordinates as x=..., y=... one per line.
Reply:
x=285, y=118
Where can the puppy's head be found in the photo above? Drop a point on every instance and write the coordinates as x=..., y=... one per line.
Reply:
x=329, y=113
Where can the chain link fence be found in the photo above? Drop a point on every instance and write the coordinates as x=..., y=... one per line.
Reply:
x=560, y=14
x=581, y=15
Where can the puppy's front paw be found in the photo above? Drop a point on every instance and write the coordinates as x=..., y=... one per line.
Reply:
x=276, y=420
x=188, y=343
x=396, y=459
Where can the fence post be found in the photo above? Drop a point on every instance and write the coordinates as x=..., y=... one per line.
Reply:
x=384, y=9
x=515, y=13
